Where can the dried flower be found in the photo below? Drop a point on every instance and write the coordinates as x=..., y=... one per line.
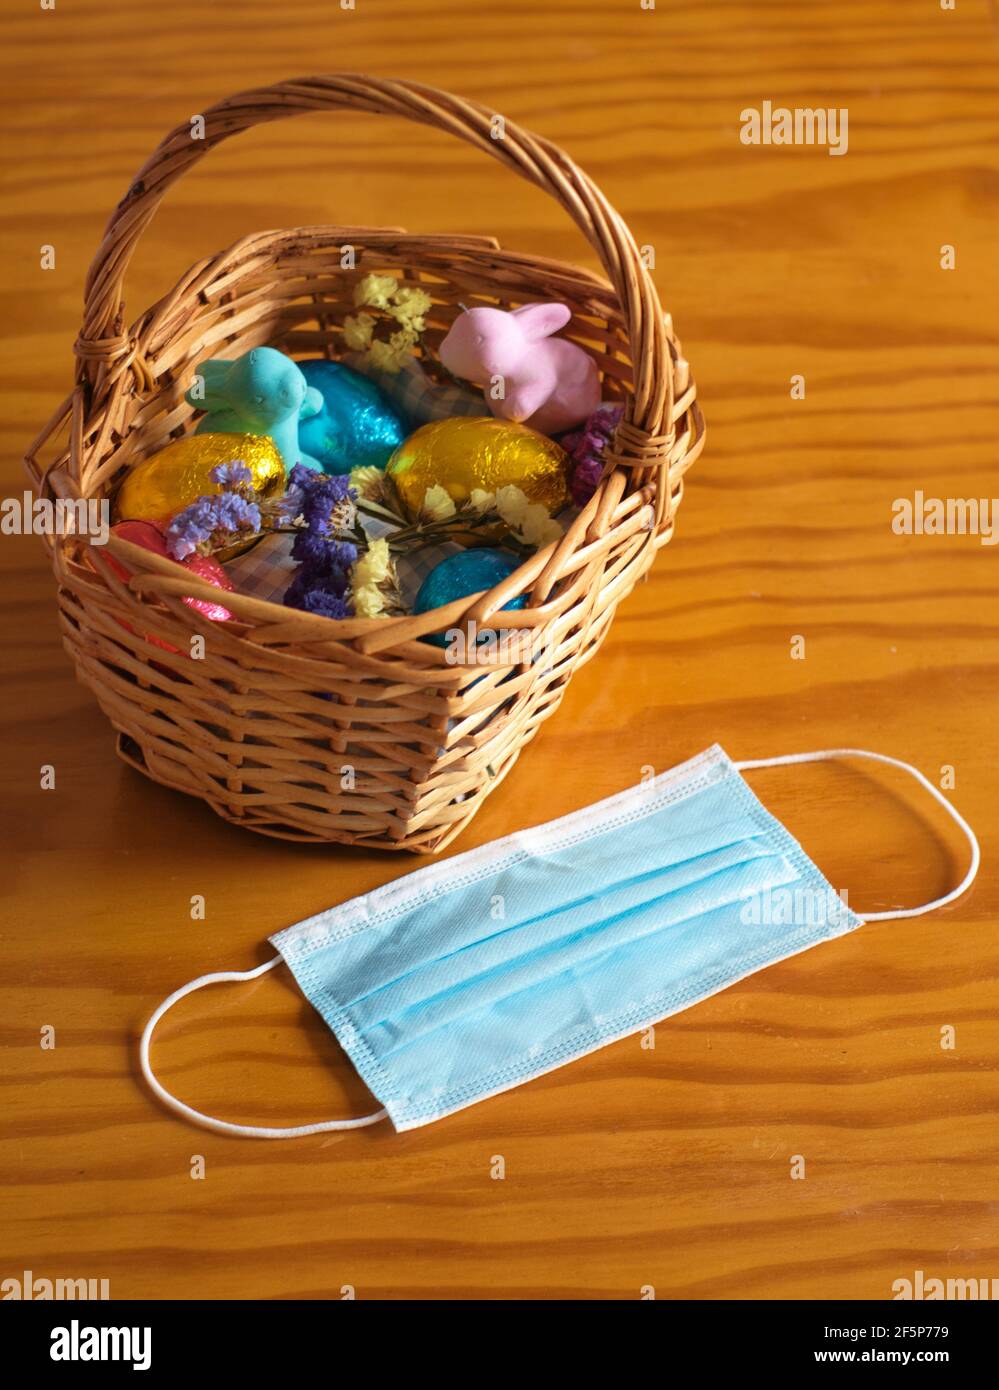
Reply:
x=511, y=503
x=586, y=446
x=529, y=521
x=320, y=601
x=301, y=478
x=392, y=356
x=375, y=290
x=438, y=504
x=368, y=601
x=325, y=558
x=374, y=582
x=281, y=513
x=410, y=306
x=325, y=567
x=538, y=528
x=357, y=330
x=370, y=485
x=232, y=476
x=189, y=529
x=236, y=513
x=480, y=501
x=328, y=505
x=210, y=524
x=374, y=566
x=406, y=304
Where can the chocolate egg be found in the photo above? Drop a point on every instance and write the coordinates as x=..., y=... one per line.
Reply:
x=206, y=567
x=466, y=572
x=356, y=428
x=159, y=486
x=463, y=454
x=149, y=535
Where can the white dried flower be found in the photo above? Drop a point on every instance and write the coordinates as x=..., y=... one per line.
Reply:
x=438, y=504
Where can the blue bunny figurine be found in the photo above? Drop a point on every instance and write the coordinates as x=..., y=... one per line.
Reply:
x=262, y=392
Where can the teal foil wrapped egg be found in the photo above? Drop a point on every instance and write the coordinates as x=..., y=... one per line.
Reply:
x=467, y=572
x=356, y=427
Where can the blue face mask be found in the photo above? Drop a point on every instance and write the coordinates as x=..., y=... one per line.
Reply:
x=487, y=969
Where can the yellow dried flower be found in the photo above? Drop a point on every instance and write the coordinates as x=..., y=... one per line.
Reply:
x=374, y=583
x=374, y=565
x=381, y=357
x=409, y=307
x=375, y=290
x=357, y=330
x=368, y=601
x=392, y=356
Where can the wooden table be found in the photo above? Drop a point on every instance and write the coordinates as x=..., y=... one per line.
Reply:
x=666, y=1170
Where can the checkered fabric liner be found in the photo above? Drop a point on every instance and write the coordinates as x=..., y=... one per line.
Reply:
x=267, y=570
x=415, y=396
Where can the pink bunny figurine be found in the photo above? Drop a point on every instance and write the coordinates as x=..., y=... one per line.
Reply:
x=547, y=383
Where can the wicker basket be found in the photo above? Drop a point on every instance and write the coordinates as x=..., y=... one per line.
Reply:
x=264, y=725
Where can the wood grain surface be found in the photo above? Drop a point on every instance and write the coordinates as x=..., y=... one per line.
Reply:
x=666, y=1169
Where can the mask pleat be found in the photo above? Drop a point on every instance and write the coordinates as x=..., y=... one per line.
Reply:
x=586, y=932
x=446, y=928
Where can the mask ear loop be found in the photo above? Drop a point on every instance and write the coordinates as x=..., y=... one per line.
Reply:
x=209, y=1121
x=827, y=753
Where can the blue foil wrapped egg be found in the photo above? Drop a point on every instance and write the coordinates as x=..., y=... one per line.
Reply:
x=464, y=573
x=356, y=428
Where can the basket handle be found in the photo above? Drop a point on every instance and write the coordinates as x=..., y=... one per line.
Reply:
x=104, y=350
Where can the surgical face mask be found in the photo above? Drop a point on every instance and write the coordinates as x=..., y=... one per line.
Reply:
x=483, y=971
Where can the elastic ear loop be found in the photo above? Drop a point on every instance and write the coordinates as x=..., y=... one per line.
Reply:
x=209, y=1121
x=826, y=753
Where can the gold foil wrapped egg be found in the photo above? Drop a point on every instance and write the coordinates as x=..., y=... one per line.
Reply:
x=464, y=453
x=158, y=487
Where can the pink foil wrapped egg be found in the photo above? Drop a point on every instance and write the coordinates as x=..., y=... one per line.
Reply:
x=150, y=536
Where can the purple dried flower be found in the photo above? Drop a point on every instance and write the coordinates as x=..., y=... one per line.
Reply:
x=231, y=475
x=586, y=446
x=300, y=482
x=211, y=523
x=313, y=593
x=235, y=513
x=303, y=478
x=322, y=555
x=190, y=528
x=323, y=578
x=324, y=603
x=328, y=506
x=585, y=480
x=308, y=549
x=296, y=590
x=282, y=511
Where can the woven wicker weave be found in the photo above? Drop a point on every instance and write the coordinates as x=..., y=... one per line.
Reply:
x=264, y=726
